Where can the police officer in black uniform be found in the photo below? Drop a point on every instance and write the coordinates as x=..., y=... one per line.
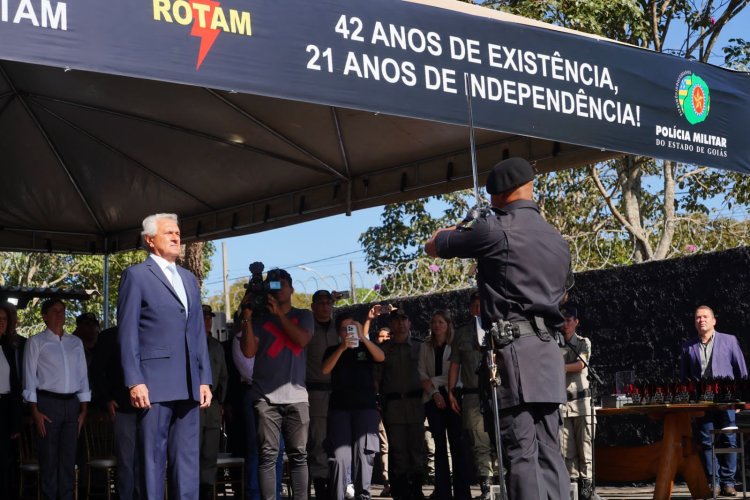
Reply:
x=522, y=266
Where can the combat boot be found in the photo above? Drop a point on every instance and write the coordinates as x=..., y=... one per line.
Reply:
x=484, y=485
x=399, y=488
x=585, y=488
x=206, y=492
x=415, y=487
x=321, y=488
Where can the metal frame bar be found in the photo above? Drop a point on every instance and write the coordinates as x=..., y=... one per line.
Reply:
x=53, y=148
x=185, y=130
x=125, y=156
x=275, y=133
x=345, y=158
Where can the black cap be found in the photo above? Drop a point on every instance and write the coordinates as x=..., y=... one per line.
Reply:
x=322, y=294
x=569, y=310
x=208, y=311
x=509, y=174
x=398, y=313
x=279, y=274
x=87, y=317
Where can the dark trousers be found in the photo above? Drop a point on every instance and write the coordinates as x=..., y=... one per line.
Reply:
x=352, y=438
x=126, y=451
x=252, y=487
x=292, y=421
x=209, y=450
x=530, y=436
x=168, y=434
x=5, y=429
x=447, y=422
x=727, y=463
x=57, y=450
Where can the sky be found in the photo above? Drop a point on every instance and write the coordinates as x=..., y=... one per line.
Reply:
x=318, y=254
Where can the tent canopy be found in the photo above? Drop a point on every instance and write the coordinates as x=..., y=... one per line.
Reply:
x=244, y=115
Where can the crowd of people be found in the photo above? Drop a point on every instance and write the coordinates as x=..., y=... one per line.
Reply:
x=332, y=392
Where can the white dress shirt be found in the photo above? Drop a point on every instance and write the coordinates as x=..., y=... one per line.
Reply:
x=244, y=365
x=164, y=265
x=55, y=364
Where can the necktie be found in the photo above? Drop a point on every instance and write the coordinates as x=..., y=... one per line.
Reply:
x=178, y=286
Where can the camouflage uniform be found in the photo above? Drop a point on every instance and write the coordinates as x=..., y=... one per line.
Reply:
x=403, y=416
x=576, y=439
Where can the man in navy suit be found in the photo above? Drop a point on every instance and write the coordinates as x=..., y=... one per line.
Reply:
x=165, y=360
x=714, y=354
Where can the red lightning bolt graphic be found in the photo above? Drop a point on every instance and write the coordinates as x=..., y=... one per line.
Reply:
x=205, y=13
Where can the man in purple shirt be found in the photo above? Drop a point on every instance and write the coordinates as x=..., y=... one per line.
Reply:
x=709, y=355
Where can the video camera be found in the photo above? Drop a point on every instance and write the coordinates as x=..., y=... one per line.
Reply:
x=257, y=289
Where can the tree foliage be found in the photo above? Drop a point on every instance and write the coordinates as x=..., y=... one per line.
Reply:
x=649, y=215
x=630, y=209
x=406, y=226
x=41, y=270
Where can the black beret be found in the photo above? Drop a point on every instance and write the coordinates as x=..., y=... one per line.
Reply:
x=569, y=310
x=87, y=317
x=509, y=174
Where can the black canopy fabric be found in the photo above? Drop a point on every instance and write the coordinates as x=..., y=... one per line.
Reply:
x=245, y=115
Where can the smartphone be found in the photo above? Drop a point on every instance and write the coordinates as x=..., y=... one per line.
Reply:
x=352, y=337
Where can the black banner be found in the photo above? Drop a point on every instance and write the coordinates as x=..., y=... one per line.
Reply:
x=407, y=59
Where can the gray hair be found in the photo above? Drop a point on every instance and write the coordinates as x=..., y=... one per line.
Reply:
x=149, y=224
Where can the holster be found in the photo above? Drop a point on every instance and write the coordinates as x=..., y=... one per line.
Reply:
x=503, y=332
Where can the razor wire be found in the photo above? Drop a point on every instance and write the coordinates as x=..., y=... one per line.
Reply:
x=602, y=249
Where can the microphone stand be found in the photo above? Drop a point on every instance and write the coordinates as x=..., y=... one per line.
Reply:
x=593, y=379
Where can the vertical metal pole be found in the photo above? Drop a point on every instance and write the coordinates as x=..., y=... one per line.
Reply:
x=225, y=275
x=496, y=417
x=472, y=144
x=352, y=284
x=105, y=287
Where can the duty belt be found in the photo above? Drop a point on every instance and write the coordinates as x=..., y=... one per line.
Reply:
x=573, y=396
x=392, y=396
x=505, y=332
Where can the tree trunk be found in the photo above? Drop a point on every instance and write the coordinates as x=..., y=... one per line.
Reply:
x=192, y=259
x=667, y=235
x=630, y=180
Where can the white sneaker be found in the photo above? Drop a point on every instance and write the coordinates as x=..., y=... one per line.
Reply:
x=349, y=491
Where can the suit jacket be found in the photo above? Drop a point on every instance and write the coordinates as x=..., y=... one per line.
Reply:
x=426, y=367
x=159, y=345
x=727, y=359
x=16, y=402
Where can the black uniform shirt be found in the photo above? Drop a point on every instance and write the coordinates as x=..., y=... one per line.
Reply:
x=522, y=263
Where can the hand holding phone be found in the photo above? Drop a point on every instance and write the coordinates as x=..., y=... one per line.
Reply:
x=352, y=337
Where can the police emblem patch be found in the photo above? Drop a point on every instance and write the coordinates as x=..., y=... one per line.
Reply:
x=692, y=97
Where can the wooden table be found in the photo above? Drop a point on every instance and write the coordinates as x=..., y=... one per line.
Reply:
x=676, y=453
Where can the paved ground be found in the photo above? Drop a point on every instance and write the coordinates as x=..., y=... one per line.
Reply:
x=620, y=492
x=680, y=491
